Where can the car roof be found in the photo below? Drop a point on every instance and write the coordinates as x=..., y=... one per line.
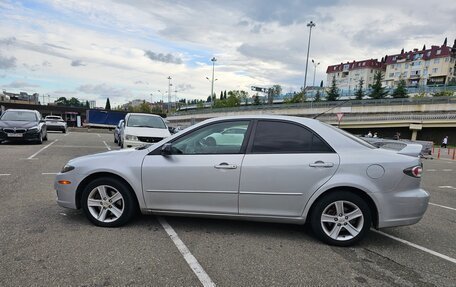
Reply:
x=143, y=114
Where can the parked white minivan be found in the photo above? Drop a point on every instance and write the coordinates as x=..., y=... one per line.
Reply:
x=140, y=129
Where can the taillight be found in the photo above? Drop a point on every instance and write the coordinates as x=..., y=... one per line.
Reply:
x=414, y=171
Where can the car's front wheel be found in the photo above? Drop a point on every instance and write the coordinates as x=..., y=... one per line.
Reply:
x=341, y=218
x=108, y=202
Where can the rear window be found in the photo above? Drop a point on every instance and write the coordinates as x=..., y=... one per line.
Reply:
x=350, y=136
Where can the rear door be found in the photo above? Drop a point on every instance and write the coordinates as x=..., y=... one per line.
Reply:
x=285, y=163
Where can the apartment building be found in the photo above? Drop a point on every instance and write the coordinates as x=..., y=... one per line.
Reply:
x=348, y=75
x=434, y=66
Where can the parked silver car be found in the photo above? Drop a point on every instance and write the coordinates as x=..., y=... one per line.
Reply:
x=286, y=169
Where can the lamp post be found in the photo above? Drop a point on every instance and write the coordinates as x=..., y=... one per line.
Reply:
x=310, y=25
x=315, y=69
x=169, y=92
x=212, y=85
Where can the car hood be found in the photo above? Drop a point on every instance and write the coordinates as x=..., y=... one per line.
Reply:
x=147, y=132
x=17, y=124
x=104, y=155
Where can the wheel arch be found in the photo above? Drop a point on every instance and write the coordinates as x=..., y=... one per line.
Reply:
x=97, y=175
x=363, y=194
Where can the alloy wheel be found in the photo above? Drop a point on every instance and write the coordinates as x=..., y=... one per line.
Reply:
x=342, y=220
x=105, y=203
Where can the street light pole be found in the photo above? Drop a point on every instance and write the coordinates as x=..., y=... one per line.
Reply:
x=315, y=69
x=310, y=25
x=212, y=85
x=169, y=92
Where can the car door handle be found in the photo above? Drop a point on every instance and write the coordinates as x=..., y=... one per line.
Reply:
x=225, y=165
x=321, y=164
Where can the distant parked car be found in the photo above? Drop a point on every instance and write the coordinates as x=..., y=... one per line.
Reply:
x=140, y=129
x=285, y=169
x=23, y=125
x=117, y=131
x=56, y=123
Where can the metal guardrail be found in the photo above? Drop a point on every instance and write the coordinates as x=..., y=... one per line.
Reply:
x=325, y=104
x=391, y=117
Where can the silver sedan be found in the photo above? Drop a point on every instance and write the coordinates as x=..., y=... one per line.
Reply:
x=281, y=169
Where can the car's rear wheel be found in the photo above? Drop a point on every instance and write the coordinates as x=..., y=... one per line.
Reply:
x=40, y=138
x=115, y=140
x=45, y=138
x=108, y=202
x=341, y=218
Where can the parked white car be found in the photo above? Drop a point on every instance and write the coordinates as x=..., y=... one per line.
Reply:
x=140, y=129
x=56, y=123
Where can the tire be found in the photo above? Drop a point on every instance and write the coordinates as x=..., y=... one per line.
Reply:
x=103, y=212
x=343, y=231
x=115, y=140
x=45, y=138
x=40, y=139
x=64, y=131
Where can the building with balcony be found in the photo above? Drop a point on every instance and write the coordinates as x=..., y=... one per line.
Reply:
x=348, y=75
x=434, y=66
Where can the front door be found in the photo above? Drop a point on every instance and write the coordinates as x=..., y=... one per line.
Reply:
x=202, y=173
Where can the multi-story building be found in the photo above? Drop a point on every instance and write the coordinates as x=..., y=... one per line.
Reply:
x=21, y=97
x=92, y=104
x=422, y=67
x=348, y=75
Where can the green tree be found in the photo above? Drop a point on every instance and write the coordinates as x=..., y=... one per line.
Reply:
x=144, y=108
x=208, y=100
x=317, y=96
x=378, y=91
x=296, y=98
x=333, y=93
x=108, y=104
x=62, y=101
x=87, y=105
x=73, y=102
x=221, y=95
x=256, y=99
x=359, y=93
x=401, y=90
x=224, y=94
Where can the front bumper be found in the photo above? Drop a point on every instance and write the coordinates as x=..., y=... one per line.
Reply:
x=402, y=207
x=27, y=136
x=130, y=143
x=66, y=193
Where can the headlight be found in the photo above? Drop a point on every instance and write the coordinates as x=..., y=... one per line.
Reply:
x=131, y=138
x=33, y=129
x=67, y=168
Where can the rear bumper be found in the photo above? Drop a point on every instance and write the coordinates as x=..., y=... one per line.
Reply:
x=56, y=128
x=401, y=208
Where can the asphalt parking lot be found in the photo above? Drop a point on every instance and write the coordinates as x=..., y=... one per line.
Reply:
x=46, y=245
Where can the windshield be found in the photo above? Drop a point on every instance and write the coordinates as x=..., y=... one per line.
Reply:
x=350, y=136
x=55, y=118
x=144, y=121
x=21, y=116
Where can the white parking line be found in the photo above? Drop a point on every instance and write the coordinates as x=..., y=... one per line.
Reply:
x=108, y=147
x=443, y=256
x=33, y=155
x=447, y=169
x=431, y=169
x=443, y=206
x=447, y=187
x=99, y=135
x=5, y=174
x=49, y=173
x=191, y=260
x=67, y=134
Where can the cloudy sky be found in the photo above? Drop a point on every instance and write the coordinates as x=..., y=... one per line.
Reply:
x=126, y=50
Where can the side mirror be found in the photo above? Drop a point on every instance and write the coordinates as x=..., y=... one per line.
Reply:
x=167, y=149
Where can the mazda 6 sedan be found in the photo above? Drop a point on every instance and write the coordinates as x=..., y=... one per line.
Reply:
x=282, y=169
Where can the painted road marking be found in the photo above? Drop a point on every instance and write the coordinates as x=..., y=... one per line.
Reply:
x=443, y=206
x=5, y=174
x=447, y=187
x=35, y=154
x=99, y=135
x=67, y=134
x=80, y=146
x=49, y=173
x=191, y=260
x=431, y=169
x=443, y=256
x=108, y=147
x=447, y=169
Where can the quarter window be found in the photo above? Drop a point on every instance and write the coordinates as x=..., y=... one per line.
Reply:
x=280, y=137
